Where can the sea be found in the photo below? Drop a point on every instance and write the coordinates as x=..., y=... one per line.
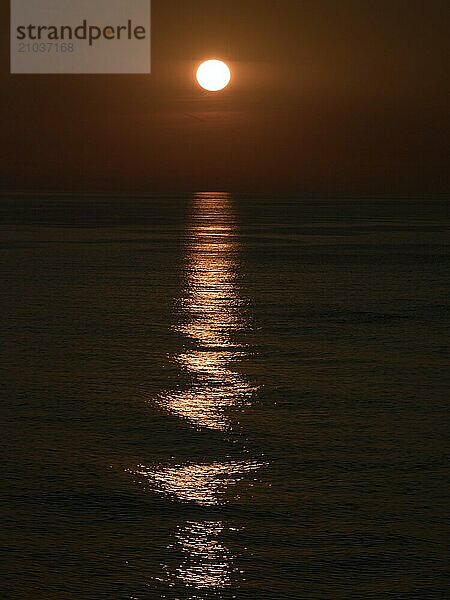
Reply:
x=221, y=396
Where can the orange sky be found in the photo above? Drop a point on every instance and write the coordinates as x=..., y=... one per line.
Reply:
x=327, y=97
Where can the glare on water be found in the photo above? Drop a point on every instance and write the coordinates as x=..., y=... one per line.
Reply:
x=207, y=563
x=210, y=317
x=202, y=484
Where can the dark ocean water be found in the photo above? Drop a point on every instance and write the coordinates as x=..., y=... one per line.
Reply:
x=218, y=397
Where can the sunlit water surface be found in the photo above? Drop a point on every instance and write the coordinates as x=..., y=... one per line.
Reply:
x=209, y=316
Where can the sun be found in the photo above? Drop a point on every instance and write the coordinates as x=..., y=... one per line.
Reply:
x=213, y=75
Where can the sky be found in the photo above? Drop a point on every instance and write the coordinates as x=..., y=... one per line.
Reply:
x=327, y=97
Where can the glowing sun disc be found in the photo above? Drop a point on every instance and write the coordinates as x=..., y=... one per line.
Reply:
x=213, y=75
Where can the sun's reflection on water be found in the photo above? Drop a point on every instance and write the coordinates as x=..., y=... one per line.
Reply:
x=211, y=316
x=207, y=563
x=201, y=484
